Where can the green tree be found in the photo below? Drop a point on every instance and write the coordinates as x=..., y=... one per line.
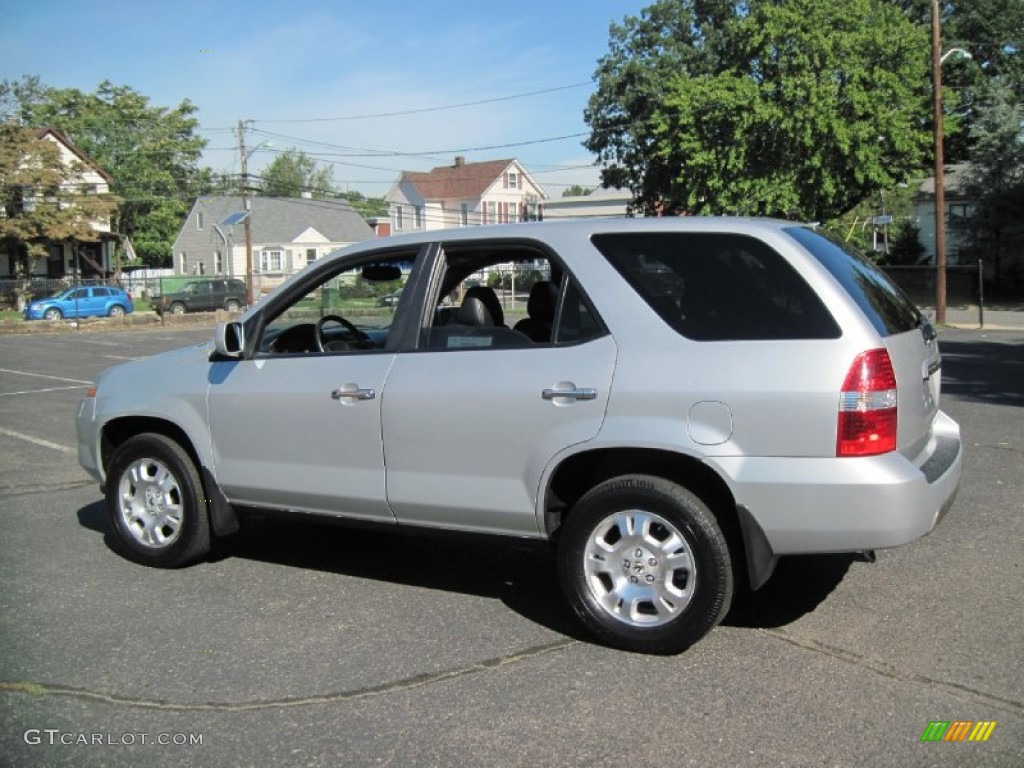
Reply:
x=40, y=197
x=576, y=190
x=996, y=230
x=293, y=172
x=367, y=207
x=151, y=152
x=799, y=108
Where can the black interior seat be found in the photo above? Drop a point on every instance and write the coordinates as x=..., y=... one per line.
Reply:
x=540, y=310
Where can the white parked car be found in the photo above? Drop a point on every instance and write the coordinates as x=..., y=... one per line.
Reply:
x=685, y=401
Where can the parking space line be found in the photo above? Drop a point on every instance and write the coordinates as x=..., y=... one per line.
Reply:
x=41, y=391
x=37, y=441
x=44, y=376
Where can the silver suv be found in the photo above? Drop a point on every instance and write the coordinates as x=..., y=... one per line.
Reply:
x=673, y=403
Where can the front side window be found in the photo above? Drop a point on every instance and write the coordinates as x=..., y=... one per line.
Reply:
x=718, y=286
x=346, y=308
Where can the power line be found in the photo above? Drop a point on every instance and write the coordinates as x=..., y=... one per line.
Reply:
x=424, y=109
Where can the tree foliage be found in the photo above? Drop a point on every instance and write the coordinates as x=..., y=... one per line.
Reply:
x=576, y=190
x=41, y=197
x=151, y=152
x=293, y=172
x=798, y=109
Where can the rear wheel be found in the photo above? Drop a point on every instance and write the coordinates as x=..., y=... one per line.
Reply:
x=116, y=311
x=644, y=565
x=156, y=503
x=52, y=314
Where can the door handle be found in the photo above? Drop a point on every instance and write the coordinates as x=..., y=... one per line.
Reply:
x=578, y=393
x=355, y=394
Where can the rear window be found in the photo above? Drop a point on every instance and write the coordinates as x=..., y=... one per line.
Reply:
x=718, y=286
x=886, y=307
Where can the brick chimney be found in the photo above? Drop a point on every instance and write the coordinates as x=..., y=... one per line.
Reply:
x=460, y=161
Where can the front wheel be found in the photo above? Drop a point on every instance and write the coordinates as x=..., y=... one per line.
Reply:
x=52, y=314
x=156, y=503
x=232, y=306
x=644, y=565
x=177, y=309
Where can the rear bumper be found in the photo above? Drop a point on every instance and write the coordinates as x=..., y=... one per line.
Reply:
x=849, y=504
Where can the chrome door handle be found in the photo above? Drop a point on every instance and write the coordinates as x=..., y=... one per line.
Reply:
x=580, y=393
x=355, y=394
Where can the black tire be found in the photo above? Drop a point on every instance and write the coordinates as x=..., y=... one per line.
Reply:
x=116, y=311
x=156, y=504
x=53, y=314
x=644, y=565
x=232, y=306
x=177, y=308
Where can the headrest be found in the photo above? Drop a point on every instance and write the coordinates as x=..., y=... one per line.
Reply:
x=474, y=312
x=490, y=300
x=542, y=302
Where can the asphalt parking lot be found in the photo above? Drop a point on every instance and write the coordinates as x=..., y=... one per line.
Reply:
x=304, y=645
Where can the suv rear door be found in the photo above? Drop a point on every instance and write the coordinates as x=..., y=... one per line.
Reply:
x=475, y=415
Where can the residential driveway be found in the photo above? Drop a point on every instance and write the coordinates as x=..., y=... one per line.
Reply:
x=298, y=644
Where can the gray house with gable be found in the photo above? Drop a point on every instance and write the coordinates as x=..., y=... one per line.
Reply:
x=287, y=234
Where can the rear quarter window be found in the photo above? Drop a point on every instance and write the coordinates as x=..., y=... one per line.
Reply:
x=883, y=303
x=718, y=286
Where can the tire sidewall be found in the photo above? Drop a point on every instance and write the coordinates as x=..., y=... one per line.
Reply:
x=194, y=538
x=708, y=547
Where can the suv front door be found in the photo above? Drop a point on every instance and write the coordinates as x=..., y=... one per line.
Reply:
x=295, y=426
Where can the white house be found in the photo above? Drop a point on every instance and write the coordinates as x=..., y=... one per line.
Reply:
x=69, y=257
x=464, y=194
x=287, y=233
x=959, y=209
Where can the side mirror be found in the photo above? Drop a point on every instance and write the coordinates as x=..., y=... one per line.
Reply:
x=229, y=339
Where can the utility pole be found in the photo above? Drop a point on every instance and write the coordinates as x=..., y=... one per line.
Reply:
x=940, y=189
x=248, y=211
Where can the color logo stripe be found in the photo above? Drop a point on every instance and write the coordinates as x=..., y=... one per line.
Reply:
x=958, y=730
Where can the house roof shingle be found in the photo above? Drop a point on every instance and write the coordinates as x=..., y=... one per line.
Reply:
x=462, y=180
x=283, y=219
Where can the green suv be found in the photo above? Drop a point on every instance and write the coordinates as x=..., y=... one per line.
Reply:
x=203, y=296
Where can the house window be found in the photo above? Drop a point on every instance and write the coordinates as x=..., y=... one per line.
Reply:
x=270, y=261
x=199, y=220
x=184, y=263
x=464, y=216
x=419, y=217
x=218, y=263
x=513, y=180
x=491, y=215
x=513, y=213
x=399, y=217
x=310, y=255
x=959, y=215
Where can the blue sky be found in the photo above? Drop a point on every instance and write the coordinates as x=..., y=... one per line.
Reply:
x=293, y=68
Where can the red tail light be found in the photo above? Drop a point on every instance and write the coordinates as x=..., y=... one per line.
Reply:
x=867, y=407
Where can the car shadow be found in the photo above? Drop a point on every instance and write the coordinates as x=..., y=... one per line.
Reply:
x=983, y=371
x=520, y=573
x=799, y=585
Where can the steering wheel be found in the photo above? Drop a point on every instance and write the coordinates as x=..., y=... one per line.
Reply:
x=318, y=332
